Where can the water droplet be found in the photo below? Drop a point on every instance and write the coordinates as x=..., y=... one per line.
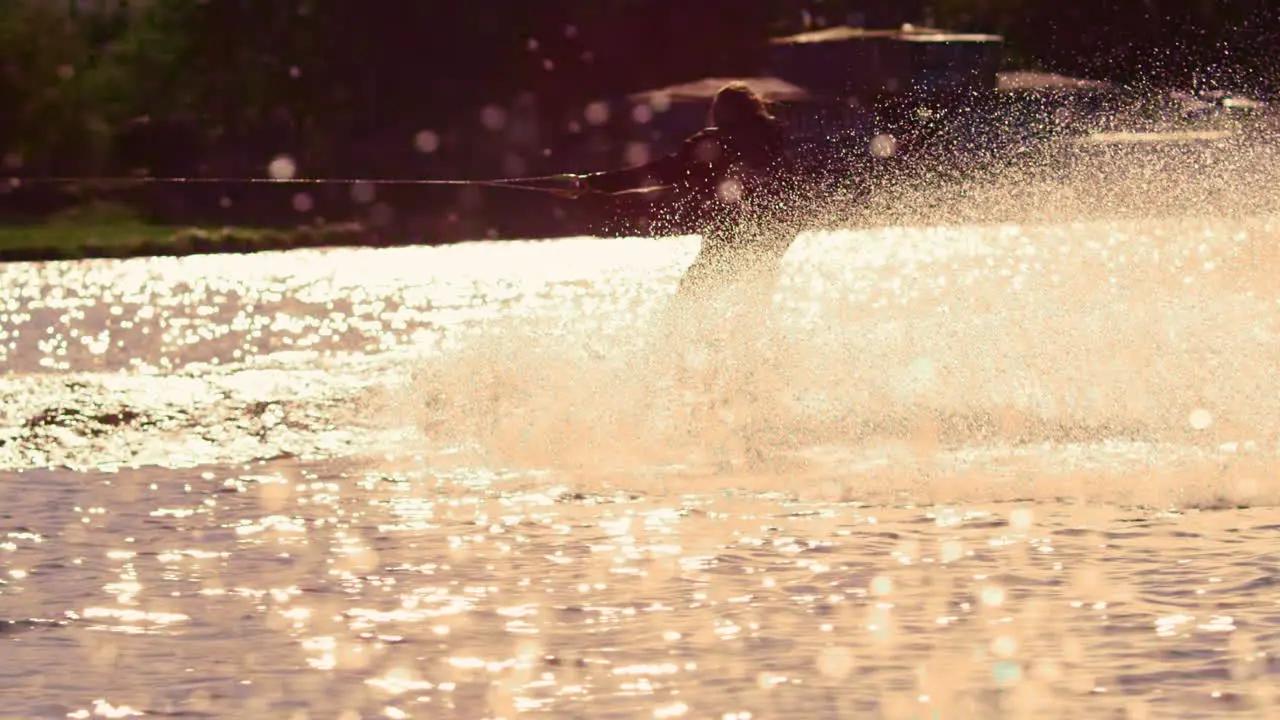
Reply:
x=952, y=550
x=426, y=141
x=881, y=585
x=493, y=118
x=835, y=662
x=1007, y=673
x=596, y=113
x=302, y=202
x=908, y=550
x=730, y=190
x=1004, y=646
x=636, y=153
x=766, y=680
x=363, y=192
x=1046, y=670
x=282, y=167
x=882, y=146
x=641, y=114
x=1021, y=519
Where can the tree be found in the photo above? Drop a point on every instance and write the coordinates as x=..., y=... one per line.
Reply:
x=50, y=90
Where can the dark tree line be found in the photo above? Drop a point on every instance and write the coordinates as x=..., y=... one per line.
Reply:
x=220, y=86
x=1162, y=42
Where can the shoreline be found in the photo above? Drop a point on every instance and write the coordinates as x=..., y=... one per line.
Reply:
x=102, y=229
x=54, y=242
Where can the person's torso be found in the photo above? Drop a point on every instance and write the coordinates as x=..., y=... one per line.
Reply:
x=730, y=167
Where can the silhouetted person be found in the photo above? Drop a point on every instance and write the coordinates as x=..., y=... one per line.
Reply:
x=732, y=179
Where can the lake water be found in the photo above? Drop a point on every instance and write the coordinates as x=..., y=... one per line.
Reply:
x=966, y=469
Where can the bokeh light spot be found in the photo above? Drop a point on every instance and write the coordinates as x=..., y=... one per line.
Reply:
x=426, y=141
x=883, y=146
x=596, y=113
x=282, y=167
x=493, y=118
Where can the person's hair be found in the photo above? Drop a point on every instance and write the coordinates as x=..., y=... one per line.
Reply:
x=741, y=112
x=736, y=105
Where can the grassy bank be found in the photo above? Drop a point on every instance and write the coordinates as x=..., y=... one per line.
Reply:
x=107, y=232
x=64, y=241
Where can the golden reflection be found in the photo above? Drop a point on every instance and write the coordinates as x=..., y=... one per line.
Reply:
x=104, y=709
x=941, y=488
x=324, y=652
x=490, y=666
x=277, y=523
x=673, y=710
x=176, y=556
x=131, y=621
x=663, y=669
x=398, y=681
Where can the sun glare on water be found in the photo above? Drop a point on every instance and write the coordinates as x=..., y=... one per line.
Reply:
x=1014, y=458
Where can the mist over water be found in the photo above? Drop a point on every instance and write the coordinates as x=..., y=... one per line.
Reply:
x=1001, y=447
x=1099, y=354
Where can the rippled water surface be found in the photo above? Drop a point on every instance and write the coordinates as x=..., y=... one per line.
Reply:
x=959, y=471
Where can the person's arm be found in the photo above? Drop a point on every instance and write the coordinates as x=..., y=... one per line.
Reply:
x=663, y=171
x=702, y=149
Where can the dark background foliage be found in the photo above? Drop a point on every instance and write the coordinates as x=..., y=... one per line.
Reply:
x=223, y=85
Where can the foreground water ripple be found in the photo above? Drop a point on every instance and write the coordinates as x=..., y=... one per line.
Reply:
x=329, y=588
x=966, y=471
